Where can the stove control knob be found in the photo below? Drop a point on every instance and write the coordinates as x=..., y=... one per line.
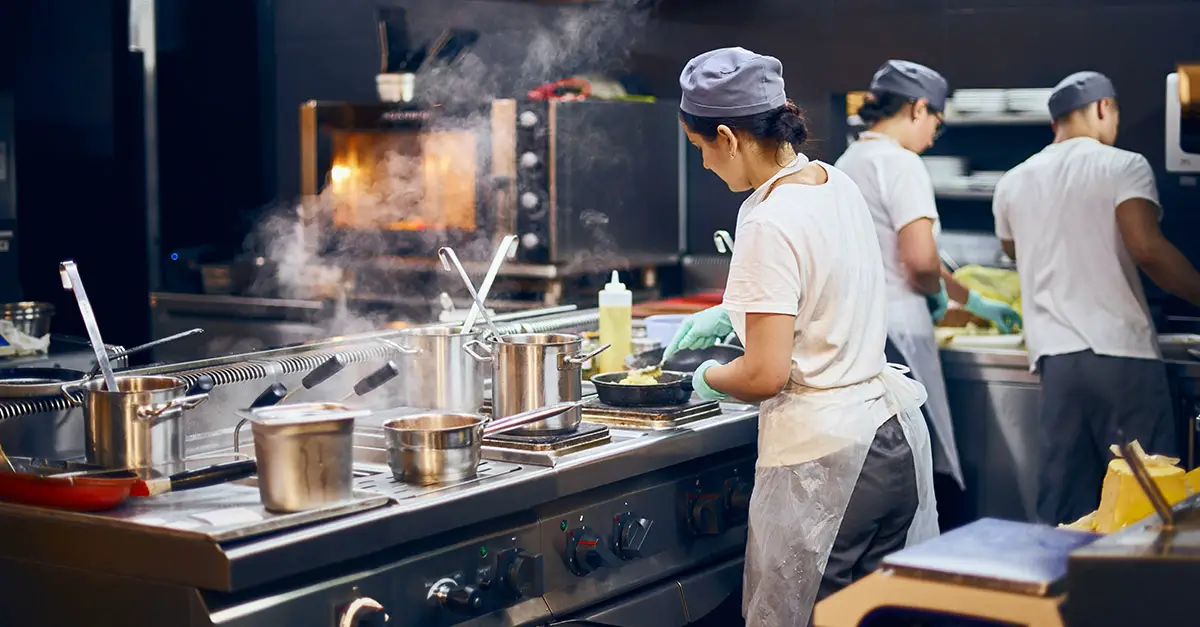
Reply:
x=361, y=610
x=630, y=535
x=455, y=597
x=529, y=200
x=707, y=515
x=739, y=496
x=521, y=572
x=530, y=240
x=587, y=552
x=529, y=160
x=528, y=119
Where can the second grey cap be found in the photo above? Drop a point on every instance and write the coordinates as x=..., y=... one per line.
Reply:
x=731, y=83
x=913, y=80
x=1079, y=90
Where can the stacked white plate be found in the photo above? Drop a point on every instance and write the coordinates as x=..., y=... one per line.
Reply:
x=1029, y=100
x=985, y=179
x=943, y=170
x=975, y=101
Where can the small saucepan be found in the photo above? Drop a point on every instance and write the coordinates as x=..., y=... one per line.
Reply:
x=444, y=447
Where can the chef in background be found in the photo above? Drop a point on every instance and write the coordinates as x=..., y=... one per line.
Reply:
x=1080, y=217
x=903, y=114
x=844, y=473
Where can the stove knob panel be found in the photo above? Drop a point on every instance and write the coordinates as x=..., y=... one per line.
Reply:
x=739, y=497
x=630, y=535
x=455, y=597
x=521, y=573
x=707, y=514
x=586, y=551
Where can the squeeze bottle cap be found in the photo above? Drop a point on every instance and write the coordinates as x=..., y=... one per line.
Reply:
x=615, y=285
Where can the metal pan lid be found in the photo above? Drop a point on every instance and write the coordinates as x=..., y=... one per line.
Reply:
x=303, y=413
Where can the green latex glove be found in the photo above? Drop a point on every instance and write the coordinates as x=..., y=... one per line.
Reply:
x=700, y=330
x=938, y=303
x=1003, y=316
x=702, y=388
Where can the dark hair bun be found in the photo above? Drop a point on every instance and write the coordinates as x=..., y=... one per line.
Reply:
x=881, y=106
x=784, y=124
x=789, y=126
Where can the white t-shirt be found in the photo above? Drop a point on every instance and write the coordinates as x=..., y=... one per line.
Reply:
x=1080, y=289
x=898, y=191
x=810, y=251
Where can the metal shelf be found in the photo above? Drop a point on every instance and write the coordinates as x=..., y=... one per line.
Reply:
x=982, y=119
x=963, y=194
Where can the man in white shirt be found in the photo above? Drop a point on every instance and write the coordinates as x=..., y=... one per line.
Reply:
x=1080, y=217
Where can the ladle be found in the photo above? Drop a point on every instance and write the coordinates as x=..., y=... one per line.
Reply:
x=69, y=273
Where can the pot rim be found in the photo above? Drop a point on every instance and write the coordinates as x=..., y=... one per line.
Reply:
x=95, y=384
x=391, y=425
x=567, y=339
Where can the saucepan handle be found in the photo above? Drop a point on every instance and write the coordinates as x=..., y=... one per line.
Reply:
x=574, y=361
x=470, y=349
x=500, y=425
x=160, y=411
x=70, y=390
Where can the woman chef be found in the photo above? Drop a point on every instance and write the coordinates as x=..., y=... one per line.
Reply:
x=903, y=114
x=844, y=473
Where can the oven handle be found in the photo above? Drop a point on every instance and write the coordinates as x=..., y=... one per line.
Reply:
x=358, y=605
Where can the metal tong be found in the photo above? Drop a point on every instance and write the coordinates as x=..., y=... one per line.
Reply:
x=1159, y=502
x=144, y=347
x=506, y=250
x=69, y=273
x=450, y=262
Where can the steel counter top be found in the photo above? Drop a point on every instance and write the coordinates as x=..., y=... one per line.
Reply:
x=112, y=543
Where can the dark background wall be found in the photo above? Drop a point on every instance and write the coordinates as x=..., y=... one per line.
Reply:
x=233, y=72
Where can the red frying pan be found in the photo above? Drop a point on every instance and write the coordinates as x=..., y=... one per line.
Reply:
x=44, y=483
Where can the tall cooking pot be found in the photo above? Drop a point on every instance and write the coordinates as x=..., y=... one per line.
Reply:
x=138, y=425
x=535, y=370
x=438, y=373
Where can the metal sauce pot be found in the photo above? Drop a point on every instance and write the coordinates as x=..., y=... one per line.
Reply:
x=438, y=374
x=305, y=455
x=536, y=370
x=137, y=426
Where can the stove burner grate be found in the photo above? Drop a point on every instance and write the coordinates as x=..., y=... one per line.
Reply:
x=654, y=418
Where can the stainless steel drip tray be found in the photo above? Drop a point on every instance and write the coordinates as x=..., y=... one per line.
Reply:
x=221, y=513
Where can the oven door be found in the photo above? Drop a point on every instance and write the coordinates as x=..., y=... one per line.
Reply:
x=400, y=180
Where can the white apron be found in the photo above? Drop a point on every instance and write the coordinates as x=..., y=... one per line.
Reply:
x=812, y=444
x=910, y=327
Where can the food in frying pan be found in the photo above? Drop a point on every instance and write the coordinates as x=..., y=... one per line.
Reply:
x=642, y=377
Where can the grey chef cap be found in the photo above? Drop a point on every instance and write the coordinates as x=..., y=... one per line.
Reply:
x=1079, y=90
x=731, y=83
x=905, y=78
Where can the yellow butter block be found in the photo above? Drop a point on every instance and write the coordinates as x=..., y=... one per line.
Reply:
x=1122, y=501
x=1193, y=481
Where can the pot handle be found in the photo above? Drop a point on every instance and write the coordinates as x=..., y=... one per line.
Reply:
x=69, y=390
x=569, y=361
x=160, y=411
x=469, y=348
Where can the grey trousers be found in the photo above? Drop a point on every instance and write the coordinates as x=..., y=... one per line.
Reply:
x=1090, y=402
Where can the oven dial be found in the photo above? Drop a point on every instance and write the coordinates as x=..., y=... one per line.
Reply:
x=629, y=536
x=521, y=573
x=362, y=606
x=528, y=160
x=530, y=240
x=529, y=200
x=706, y=514
x=528, y=119
x=737, y=498
x=587, y=552
x=454, y=596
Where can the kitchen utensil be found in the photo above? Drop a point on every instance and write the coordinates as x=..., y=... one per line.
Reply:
x=144, y=347
x=137, y=426
x=201, y=477
x=662, y=328
x=536, y=370
x=445, y=447
x=673, y=388
x=684, y=360
x=372, y=381
x=69, y=273
x=273, y=395
x=320, y=374
x=506, y=249
x=7, y=462
x=450, y=262
x=65, y=485
x=304, y=453
x=30, y=318
x=723, y=241
x=439, y=374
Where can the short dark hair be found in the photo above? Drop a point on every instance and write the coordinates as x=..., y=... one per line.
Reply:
x=883, y=105
x=785, y=124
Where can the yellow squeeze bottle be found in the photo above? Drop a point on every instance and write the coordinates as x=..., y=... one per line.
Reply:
x=616, y=325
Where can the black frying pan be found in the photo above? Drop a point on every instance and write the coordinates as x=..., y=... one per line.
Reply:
x=684, y=360
x=673, y=388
